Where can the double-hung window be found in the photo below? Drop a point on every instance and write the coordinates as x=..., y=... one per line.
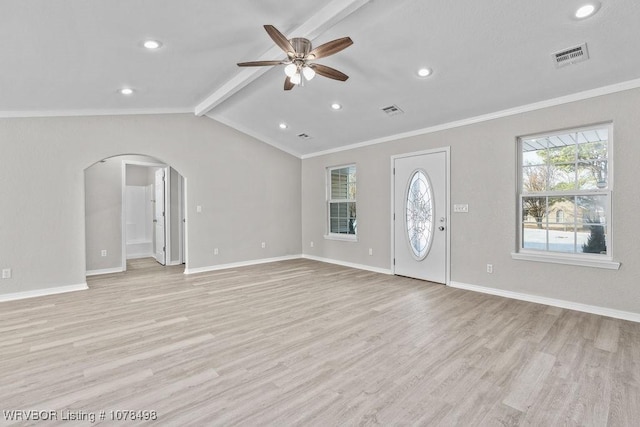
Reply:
x=564, y=194
x=341, y=202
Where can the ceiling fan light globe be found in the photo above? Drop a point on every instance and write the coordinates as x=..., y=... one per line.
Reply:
x=290, y=70
x=585, y=11
x=296, y=79
x=308, y=73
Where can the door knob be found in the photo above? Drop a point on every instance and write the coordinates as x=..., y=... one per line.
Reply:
x=441, y=228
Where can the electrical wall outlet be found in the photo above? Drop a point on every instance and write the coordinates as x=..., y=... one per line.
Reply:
x=103, y=252
x=311, y=244
x=264, y=245
x=370, y=251
x=6, y=273
x=215, y=251
x=489, y=268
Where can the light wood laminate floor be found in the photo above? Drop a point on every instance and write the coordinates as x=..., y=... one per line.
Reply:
x=306, y=343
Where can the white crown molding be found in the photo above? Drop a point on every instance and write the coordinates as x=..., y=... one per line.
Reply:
x=592, y=93
x=239, y=264
x=255, y=135
x=348, y=264
x=86, y=113
x=43, y=292
x=593, y=309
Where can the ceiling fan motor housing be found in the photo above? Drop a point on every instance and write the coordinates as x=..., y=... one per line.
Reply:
x=301, y=46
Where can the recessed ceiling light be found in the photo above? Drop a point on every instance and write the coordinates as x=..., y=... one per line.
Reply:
x=283, y=126
x=586, y=11
x=424, y=72
x=152, y=44
x=336, y=106
x=126, y=91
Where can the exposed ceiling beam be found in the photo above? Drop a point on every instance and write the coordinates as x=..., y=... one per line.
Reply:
x=324, y=19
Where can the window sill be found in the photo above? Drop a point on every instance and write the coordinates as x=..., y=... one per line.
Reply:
x=580, y=260
x=342, y=237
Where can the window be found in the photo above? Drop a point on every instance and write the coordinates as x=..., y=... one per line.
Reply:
x=565, y=197
x=341, y=204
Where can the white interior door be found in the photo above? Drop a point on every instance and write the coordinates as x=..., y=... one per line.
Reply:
x=420, y=216
x=159, y=218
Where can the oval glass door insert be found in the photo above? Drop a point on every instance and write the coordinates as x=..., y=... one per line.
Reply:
x=419, y=216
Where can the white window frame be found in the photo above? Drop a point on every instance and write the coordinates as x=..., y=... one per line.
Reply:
x=339, y=236
x=580, y=259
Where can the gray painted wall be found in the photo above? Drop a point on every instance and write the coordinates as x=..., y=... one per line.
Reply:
x=249, y=191
x=103, y=214
x=483, y=174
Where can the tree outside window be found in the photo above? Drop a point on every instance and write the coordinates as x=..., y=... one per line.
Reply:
x=565, y=191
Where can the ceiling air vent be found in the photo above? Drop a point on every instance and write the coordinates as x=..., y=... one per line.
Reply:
x=392, y=110
x=571, y=55
x=303, y=136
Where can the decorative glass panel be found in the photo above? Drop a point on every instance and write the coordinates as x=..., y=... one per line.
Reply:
x=419, y=214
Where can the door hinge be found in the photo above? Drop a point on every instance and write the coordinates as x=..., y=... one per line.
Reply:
x=394, y=171
x=394, y=216
x=164, y=249
x=394, y=261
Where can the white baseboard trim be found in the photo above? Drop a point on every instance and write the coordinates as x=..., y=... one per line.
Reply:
x=104, y=271
x=593, y=309
x=286, y=258
x=43, y=292
x=138, y=256
x=348, y=264
x=239, y=264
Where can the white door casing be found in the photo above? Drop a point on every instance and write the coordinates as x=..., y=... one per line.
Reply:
x=159, y=217
x=420, y=211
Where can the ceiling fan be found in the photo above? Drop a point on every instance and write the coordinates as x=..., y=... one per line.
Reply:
x=299, y=56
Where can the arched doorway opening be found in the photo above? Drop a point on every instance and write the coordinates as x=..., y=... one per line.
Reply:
x=134, y=208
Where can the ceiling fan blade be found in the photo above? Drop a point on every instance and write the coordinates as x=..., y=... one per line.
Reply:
x=280, y=40
x=287, y=84
x=259, y=63
x=332, y=73
x=330, y=48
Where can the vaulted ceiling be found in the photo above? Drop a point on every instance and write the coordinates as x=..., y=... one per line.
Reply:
x=72, y=57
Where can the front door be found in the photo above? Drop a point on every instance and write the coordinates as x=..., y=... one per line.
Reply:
x=420, y=216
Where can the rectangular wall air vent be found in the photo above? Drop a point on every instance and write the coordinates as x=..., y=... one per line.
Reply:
x=303, y=136
x=571, y=55
x=392, y=110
